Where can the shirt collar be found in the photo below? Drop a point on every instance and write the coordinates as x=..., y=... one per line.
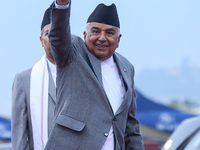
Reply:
x=52, y=67
x=109, y=61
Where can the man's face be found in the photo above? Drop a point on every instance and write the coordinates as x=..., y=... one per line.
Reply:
x=101, y=39
x=45, y=42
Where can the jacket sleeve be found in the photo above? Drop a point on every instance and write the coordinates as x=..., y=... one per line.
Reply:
x=60, y=36
x=19, y=116
x=133, y=139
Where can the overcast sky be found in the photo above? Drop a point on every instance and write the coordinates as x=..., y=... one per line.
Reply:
x=155, y=34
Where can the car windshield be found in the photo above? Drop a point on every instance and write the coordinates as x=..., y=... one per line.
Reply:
x=194, y=143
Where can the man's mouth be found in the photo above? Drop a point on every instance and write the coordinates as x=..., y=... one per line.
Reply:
x=101, y=46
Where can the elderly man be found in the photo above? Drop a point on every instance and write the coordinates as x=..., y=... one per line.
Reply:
x=96, y=100
x=34, y=98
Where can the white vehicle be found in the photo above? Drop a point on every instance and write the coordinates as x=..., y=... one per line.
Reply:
x=186, y=136
x=6, y=146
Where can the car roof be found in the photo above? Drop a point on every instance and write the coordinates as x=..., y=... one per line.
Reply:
x=186, y=128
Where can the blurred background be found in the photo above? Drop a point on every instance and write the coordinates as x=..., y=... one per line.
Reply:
x=160, y=38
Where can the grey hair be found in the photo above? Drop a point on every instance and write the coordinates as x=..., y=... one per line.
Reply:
x=41, y=32
x=87, y=26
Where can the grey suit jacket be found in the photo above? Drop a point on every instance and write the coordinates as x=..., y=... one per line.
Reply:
x=22, y=135
x=83, y=112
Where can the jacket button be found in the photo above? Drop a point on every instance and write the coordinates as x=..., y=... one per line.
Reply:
x=114, y=119
x=106, y=134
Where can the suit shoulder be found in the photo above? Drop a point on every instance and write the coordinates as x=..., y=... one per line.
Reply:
x=25, y=71
x=123, y=59
x=76, y=38
x=77, y=41
x=79, y=45
x=24, y=74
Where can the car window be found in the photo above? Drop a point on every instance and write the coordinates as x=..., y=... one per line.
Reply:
x=194, y=143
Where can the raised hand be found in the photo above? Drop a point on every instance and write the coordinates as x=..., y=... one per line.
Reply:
x=62, y=2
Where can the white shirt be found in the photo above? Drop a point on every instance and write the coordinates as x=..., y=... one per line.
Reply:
x=112, y=83
x=52, y=69
x=114, y=89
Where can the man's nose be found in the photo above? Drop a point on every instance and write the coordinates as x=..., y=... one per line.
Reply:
x=102, y=36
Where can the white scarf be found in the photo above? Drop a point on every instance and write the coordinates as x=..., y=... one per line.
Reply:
x=39, y=103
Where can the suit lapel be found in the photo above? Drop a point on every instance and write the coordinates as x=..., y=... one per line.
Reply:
x=122, y=70
x=96, y=66
x=124, y=74
x=51, y=101
x=52, y=88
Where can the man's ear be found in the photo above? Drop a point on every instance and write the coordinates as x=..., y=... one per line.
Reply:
x=41, y=40
x=84, y=33
x=119, y=37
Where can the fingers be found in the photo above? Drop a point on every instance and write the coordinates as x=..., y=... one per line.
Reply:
x=62, y=2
